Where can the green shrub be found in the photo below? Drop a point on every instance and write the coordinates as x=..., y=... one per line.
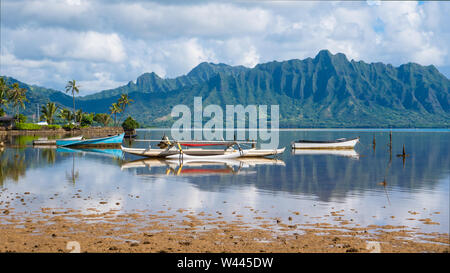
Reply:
x=2, y=112
x=87, y=120
x=27, y=126
x=21, y=118
x=68, y=126
x=130, y=124
x=102, y=118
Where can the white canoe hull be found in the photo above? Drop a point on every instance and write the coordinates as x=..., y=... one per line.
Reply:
x=350, y=144
x=149, y=152
x=200, y=152
x=263, y=152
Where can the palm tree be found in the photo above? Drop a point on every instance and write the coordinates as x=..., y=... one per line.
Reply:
x=3, y=95
x=48, y=111
x=74, y=88
x=3, y=92
x=78, y=115
x=17, y=96
x=115, y=109
x=124, y=101
x=66, y=115
x=102, y=118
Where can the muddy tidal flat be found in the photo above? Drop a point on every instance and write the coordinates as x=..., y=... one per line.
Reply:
x=55, y=230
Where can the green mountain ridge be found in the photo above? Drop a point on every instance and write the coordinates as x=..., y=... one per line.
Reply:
x=325, y=91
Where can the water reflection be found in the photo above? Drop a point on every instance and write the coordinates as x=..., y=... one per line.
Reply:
x=158, y=167
x=322, y=173
x=345, y=153
x=50, y=155
x=74, y=174
x=368, y=178
x=12, y=166
x=16, y=160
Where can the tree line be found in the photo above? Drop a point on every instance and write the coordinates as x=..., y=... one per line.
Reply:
x=16, y=96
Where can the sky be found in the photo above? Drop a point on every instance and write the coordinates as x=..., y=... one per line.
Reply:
x=105, y=44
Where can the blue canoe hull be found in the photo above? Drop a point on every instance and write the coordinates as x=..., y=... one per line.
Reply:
x=104, y=141
x=107, y=152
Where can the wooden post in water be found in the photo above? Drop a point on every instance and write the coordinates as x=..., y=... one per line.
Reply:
x=390, y=140
x=403, y=155
x=390, y=146
x=374, y=143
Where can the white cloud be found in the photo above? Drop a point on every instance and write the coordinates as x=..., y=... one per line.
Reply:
x=41, y=43
x=103, y=43
x=407, y=35
x=102, y=81
x=373, y=3
x=188, y=53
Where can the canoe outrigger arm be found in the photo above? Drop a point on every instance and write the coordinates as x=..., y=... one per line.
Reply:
x=178, y=144
x=165, y=142
x=168, y=149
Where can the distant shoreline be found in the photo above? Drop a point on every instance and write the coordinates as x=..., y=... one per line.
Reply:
x=323, y=129
x=102, y=131
x=91, y=132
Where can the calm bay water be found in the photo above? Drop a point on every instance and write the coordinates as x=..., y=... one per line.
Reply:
x=309, y=183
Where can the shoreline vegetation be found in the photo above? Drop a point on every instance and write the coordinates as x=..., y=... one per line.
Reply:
x=89, y=131
x=54, y=120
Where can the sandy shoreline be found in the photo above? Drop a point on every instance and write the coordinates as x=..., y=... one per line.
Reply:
x=50, y=230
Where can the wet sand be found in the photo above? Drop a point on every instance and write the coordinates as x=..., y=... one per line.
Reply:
x=51, y=229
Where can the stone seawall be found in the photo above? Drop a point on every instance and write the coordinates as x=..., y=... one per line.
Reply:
x=86, y=132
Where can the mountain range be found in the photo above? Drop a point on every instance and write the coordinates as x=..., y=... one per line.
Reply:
x=325, y=91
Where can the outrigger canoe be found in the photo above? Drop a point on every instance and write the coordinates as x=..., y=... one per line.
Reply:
x=92, y=142
x=342, y=143
x=199, y=152
x=174, y=149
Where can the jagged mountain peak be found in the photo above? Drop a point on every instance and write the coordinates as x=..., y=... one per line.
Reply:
x=327, y=90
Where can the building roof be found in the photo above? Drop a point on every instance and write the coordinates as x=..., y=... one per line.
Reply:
x=6, y=118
